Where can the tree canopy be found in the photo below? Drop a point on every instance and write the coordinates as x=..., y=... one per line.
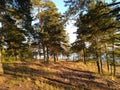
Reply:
x=98, y=27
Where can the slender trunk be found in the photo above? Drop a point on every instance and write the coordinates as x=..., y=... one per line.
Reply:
x=111, y=69
x=100, y=62
x=97, y=62
x=98, y=54
x=1, y=55
x=47, y=55
x=16, y=55
x=107, y=61
x=54, y=58
x=100, y=71
x=57, y=57
x=44, y=53
x=84, y=56
x=2, y=44
x=98, y=67
x=1, y=68
x=113, y=53
x=39, y=51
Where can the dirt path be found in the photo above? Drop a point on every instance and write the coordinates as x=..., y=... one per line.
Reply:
x=59, y=76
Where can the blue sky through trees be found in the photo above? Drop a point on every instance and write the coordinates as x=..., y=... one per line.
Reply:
x=70, y=28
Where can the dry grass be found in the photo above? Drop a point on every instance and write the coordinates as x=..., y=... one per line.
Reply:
x=54, y=76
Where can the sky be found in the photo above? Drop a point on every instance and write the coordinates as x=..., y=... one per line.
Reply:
x=0, y=25
x=60, y=5
x=70, y=28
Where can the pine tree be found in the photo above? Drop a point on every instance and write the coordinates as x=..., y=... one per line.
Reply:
x=93, y=25
x=51, y=32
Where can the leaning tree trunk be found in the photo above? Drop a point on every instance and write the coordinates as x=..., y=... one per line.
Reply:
x=1, y=68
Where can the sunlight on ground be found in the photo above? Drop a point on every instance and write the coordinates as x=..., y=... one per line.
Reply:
x=56, y=76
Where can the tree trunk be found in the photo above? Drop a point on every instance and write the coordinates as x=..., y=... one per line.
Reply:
x=99, y=63
x=47, y=55
x=84, y=56
x=98, y=55
x=54, y=58
x=57, y=57
x=98, y=67
x=107, y=61
x=39, y=52
x=113, y=53
x=1, y=57
x=1, y=68
x=111, y=69
x=44, y=53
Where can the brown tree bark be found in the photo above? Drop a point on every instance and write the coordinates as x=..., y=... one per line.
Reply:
x=44, y=53
x=1, y=50
x=1, y=67
x=54, y=58
x=98, y=55
x=84, y=56
x=113, y=53
x=107, y=61
x=47, y=55
x=99, y=65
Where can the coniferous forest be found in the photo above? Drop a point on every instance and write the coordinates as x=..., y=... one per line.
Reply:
x=35, y=48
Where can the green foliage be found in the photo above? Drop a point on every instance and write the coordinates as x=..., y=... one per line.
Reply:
x=98, y=31
x=50, y=30
x=16, y=25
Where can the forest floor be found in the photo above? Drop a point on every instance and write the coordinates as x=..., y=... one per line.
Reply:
x=54, y=76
